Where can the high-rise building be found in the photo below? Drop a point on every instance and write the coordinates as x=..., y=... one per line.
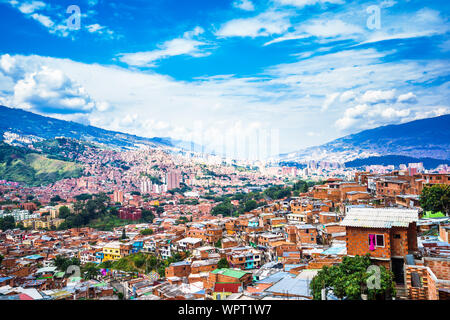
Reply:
x=118, y=196
x=173, y=179
x=146, y=186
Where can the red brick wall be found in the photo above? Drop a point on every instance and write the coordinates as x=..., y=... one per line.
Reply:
x=399, y=247
x=178, y=271
x=358, y=242
x=440, y=267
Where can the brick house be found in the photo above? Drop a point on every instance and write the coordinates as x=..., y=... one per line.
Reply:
x=388, y=235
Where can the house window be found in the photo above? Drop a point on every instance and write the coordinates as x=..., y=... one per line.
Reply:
x=379, y=240
x=396, y=236
x=376, y=240
x=416, y=281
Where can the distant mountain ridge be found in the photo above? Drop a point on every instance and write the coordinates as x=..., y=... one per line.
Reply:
x=424, y=138
x=27, y=123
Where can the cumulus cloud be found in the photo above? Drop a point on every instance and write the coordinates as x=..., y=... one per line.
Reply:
x=378, y=96
x=45, y=90
x=407, y=98
x=363, y=116
x=188, y=44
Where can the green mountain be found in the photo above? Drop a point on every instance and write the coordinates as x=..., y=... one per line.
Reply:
x=22, y=165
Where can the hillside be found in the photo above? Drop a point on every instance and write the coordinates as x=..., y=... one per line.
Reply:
x=30, y=124
x=21, y=165
x=395, y=160
x=425, y=138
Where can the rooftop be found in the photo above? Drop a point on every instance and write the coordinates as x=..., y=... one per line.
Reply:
x=380, y=217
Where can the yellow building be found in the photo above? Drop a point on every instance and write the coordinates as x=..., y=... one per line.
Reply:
x=111, y=251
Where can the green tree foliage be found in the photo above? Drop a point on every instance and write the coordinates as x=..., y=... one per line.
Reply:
x=277, y=192
x=7, y=223
x=223, y=263
x=85, y=212
x=225, y=208
x=250, y=205
x=147, y=216
x=146, y=232
x=436, y=198
x=182, y=220
x=90, y=271
x=124, y=236
x=56, y=198
x=218, y=244
x=64, y=212
x=62, y=262
x=348, y=280
x=1, y=259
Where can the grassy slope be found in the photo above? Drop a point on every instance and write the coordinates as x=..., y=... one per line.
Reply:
x=34, y=169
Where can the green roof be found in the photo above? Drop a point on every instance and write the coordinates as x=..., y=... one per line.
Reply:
x=230, y=273
x=430, y=214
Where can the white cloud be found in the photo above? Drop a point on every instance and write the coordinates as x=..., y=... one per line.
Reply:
x=30, y=7
x=43, y=89
x=264, y=24
x=378, y=96
x=186, y=45
x=94, y=27
x=331, y=28
x=321, y=28
x=286, y=97
x=44, y=20
x=303, y=3
x=246, y=5
x=426, y=23
x=330, y=98
x=407, y=98
x=347, y=96
x=363, y=116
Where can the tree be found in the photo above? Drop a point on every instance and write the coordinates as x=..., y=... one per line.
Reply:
x=90, y=271
x=250, y=205
x=348, y=280
x=1, y=259
x=225, y=208
x=62, y=263
x=106, y=264
x=124, y=236
x=56, y=198
x=7, y=223
x=64, y=212
x=218, y=244
x=146, y=232
x=147, y=215
x=436, y=198
x=223, y=263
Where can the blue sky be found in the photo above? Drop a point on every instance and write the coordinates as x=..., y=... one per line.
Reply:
x=308, y=71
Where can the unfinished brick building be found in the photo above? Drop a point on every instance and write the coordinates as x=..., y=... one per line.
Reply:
x=388, y=235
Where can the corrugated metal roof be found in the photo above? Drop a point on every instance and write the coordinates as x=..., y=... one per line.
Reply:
x=380, y=217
